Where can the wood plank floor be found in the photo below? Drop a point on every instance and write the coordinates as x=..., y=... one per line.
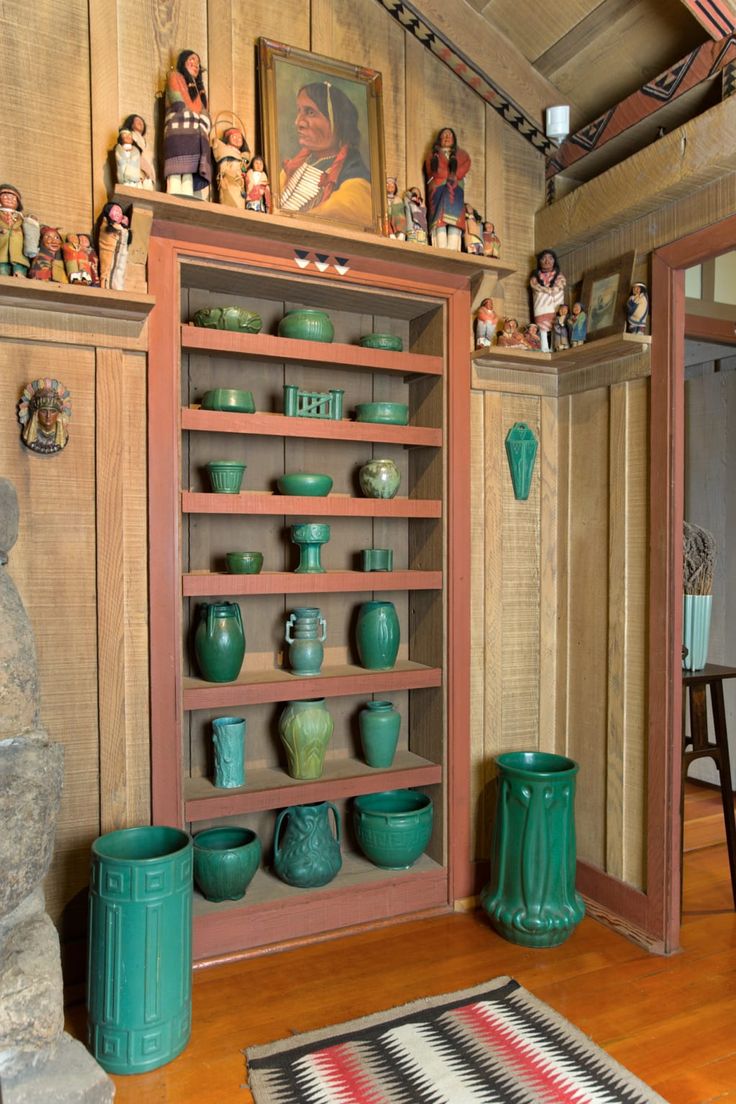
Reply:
x=669, y=1020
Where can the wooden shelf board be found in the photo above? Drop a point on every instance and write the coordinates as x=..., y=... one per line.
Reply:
x=96, y=303
x=272, y=788
x=332, y=505
x=326, y=354
x=600, y=351
x=256, y=687
x=203, y=583
x=279, y=425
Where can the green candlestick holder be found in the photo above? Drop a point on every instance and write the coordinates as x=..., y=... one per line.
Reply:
x=310, y=536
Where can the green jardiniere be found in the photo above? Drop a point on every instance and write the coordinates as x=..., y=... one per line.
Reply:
x=531, y=897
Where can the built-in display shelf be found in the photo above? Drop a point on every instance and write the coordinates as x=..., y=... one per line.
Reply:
x=327, y=429
x=601, y=350
x=332, y=505
x=217, y=584
x=97, y=303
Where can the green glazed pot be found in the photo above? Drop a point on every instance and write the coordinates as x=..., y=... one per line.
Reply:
x=305, y=728
x=225, y=862
x=379, y=725
x=377, y=635
x=385, y=413
x=531, y=897
x=228, y=318
x=219, y=641
x=226, y=476
x=379, y=479
x=393, y=828
x=244, y=563
x=307, y=854
x=307, y=325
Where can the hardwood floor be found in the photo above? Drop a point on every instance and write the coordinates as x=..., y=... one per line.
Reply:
x=669, y=1020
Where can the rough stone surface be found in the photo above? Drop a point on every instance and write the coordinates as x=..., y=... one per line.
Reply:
x=69, y=1075
x=31, y=1009
x=19, y=697
x=31, y=775
x=8, y=516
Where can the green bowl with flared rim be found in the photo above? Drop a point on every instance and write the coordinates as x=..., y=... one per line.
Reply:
x=305, y=483
x=307, y=324
x=229, y=398
x=393, y=828
x=244, y=563
x=225, y=861
x=386, y=413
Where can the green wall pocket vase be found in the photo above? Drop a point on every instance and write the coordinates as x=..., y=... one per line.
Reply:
x=521, y=450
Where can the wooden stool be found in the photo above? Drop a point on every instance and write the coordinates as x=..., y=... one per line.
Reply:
x=700, y=747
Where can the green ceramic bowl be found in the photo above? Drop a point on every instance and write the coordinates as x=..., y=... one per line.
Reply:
x=244, y=563
x=307, y=325
x=393, y=828
x=387, y=413
x=229, y=398
x=382, y=341
x=305, y=483
x=225, y=862
x=226, y=476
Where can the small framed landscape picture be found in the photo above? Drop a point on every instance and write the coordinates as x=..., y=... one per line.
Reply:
x=323, y=135
x=604, y=294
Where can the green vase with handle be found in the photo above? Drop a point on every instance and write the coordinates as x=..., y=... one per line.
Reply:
x=219, y=641
x=305, y=852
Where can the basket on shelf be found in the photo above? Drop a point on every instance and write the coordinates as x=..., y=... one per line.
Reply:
x=312, y=404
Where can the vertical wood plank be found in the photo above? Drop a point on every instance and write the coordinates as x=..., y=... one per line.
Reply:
x=549, y=594
x=478, y=653
x=617, y=628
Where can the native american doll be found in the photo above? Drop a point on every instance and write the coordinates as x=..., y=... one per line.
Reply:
x=548, y=293
x=445, y=169
x=187, y=155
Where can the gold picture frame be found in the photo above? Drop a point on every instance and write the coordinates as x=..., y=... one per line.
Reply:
x=604, y=294
x=324, y=152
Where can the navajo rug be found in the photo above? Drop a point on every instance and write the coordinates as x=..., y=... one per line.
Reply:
x=494, y=1044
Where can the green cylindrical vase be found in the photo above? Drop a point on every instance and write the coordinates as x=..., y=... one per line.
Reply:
x=139, y=978
x=531, y=897
x=379, y=725
x=377, y=635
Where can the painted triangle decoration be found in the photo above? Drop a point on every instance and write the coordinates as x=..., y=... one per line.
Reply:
x=301, y=256
x=664, y=87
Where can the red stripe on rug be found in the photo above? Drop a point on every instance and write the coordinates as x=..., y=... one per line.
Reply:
x=492, y=1029
x=343, y=1073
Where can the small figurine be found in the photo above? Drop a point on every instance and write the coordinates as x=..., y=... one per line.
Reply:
x=232, y=157
x=19, y=234
x=44, y=411
x=135, y=125
x=395, y=210
x=577, y=325
x=76, y=259
x=548, y=292
x=473, y=234
x=510, y=336
x=445, y=168
x=187, y=165
x=416, y=216
x=128, y=160
x=113, y=237
x=532, y=340
x=486, y=324
x=257, y=188
x=560, y=334
x=637, y=309
x=491, y=240
x=48, y=264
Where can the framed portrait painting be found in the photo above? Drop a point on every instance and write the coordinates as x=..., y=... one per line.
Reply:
x=604, y=294
x=322, y=123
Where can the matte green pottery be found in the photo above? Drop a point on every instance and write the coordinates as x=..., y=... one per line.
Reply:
x=244, y=563
x=306, y=632
x=229, y=398
x=228, y=318
x=139, y=978
x=385, y=413
x=305, y=728
x=378, y=559
x=219, y=641
x=307, y=854
x=313, y=484
x=379, y=725
x=313, y=404
x=226, y=476
x=228, y=738
x=310, y=536
x=393, y=828
x=307, y=325
x=382, y=341
x=377, y=635
x=531, y=897
x=696, y=610
x=521, y=451
x=379, y=479
x=225, y=862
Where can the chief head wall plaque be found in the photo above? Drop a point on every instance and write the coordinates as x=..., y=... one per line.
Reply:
x=44, y=411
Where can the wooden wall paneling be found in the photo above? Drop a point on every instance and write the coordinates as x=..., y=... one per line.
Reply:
x=587, y=552
x=617, y=630
x=562, y=658
x=551, y=478
x=532, y=37
x=523, y=189
x=105, y=79
x=480, y=763
x=496, y=469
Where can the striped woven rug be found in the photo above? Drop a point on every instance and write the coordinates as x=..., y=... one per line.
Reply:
x=494, y=1044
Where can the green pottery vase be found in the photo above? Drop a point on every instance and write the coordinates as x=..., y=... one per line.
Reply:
x=229, y=744
x=139, y=977
x=306, y=632
x=309, y=536
x=531, y=897
x=379, y=725
x=306, y=854
x=379, y=479
x=377, y=635
x=393, y=828
x=696, y=611
x=219, y=641
x=305, y=728
x=225, y=862
x=307, y=325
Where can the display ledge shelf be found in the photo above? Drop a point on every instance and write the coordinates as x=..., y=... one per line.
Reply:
x=271, y=788
x=96, y=303
x=279, y=425
x=272, y=912
x=332, y=505
x=257, y=687
x=216, y=584
x=309, y=233
x=293, y=350
x=604, y=350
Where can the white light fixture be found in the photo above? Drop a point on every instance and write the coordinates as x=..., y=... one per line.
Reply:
x=557, y=122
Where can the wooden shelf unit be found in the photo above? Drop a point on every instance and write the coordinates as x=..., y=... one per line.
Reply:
x=191, y=528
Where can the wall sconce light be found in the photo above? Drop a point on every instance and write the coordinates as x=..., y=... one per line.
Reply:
x=557, y=122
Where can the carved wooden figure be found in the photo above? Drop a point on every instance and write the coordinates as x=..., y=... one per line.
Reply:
x=44, y=412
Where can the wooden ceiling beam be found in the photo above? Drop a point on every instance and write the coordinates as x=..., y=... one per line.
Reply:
x=717, y=16
x=581, y=35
